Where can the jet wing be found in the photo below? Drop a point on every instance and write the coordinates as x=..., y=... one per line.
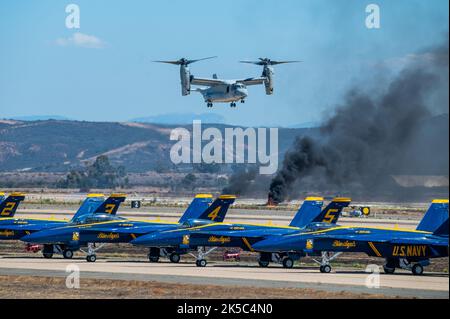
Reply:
x=206, y=82
x=127, y=230
x=358, y=238
x=252, y=81
x=254, y=233
x=420, y=241
x=28, y=227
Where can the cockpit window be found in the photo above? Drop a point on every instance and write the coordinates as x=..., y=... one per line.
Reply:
x=96, y=218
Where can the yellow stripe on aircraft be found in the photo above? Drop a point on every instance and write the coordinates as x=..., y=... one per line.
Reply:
x=440, y=201
x=227, y=197
x=311, y=198
x=375, y=250
x=203, y=196
x=247, y=244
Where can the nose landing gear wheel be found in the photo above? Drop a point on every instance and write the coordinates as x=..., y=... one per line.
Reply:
x=68, y=254
x=153, y=259
x=175, y=258
x=91, y=258
x=325, y=269
x=47, y=255
x=288, y=262
x=417, y=269
x=201, y=263
x=263, y=263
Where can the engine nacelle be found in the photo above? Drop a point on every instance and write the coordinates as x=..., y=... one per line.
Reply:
x=268, y=73
x=185, y=78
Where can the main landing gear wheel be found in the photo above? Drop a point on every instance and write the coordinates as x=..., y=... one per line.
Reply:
x=388, y=270
x=153, y=259
x=209, y=104
x=175, y=258
x=288, y=262
x=233, y=104
x=47, y=255
x=325, y=269
x=263, y=263
x=68, y=254
x=201, y=263
x=91, y=258
x=417, y=269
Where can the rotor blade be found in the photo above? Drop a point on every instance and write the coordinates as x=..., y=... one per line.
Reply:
x=192, y=61
x=252, y=62
x=282, y=62
x=170, y=62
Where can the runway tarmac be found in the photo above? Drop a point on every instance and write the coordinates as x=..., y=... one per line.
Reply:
x=402, y=284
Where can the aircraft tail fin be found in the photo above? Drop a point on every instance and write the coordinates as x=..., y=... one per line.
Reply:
x=435, y=216
x=111, y=204
x=307, y=212
x=9, y=206
x=89, y=205
x=218, y=209
x=198, y=205
x=331, y=213
x=442, y=230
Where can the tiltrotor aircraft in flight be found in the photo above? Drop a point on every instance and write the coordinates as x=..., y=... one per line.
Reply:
x=225, y=91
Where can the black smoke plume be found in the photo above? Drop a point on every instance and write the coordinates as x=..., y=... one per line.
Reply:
x=370, y=138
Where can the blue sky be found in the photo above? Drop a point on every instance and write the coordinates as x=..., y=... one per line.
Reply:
x=42, y=72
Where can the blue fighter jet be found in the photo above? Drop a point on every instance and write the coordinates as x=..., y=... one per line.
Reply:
x=401, y=248
x=241, y=235
x=88, y=231
x=16, y=228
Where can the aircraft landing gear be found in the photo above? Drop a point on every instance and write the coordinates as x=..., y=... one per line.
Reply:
x=288, y=262
x=264, y=259
x=327, y=257
x=153, y=254
x=325, y=269
x=90, y=253
x=201, y=254
x=232, y=104
x=174, y=257
x=417, y=269
x=91, y=258
x=68, y=253
x=209, y=104
x=242, y=101
x=201, y=263
x=47, y=251
x=263, y=263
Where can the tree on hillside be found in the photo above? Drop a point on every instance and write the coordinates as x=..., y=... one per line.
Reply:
x=101, y=174
x=189, y=181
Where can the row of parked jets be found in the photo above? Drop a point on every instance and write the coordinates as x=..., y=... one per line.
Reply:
x=312, y=232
